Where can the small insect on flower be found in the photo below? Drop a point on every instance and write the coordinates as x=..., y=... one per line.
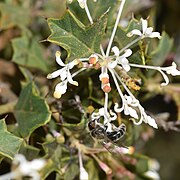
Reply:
x=108, y=135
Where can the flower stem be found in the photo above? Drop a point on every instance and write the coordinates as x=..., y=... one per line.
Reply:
x=88, y=14
x=130, y=44
x=77, y=72
x=118, y=88
x=115, y=27
x=158, y=68
x=106, y=106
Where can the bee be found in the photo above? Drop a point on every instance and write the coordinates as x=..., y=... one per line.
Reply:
x=117, y=134
x=97, y=130
x=107, y=132
x=108, y=135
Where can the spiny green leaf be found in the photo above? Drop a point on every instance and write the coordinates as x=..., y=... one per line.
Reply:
x=9, y=144
x=77, y=39
x=13, y=15
x=28, y=52
x=31, y=111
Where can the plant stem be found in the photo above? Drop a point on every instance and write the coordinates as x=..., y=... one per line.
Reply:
x=118, y=88
x=115, y=27
x=130, y=44
x=88, y=14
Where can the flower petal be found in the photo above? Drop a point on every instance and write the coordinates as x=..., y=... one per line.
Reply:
x=133, y=113
x=126, y=67
x=127, y=53
x=112, y=64
x=115, y=50
x=70, y=80
x=73, y=63
x=148, y=31
x=60, y=89
x=151, y=122
x=154, y=35
x=58, y=58
x=55, y=74
x=144, y=25
x=172, y=70
x=63, y=74
x=134, y=32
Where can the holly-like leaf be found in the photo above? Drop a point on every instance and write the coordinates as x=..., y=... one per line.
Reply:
x=13, y=15
x=27, y=52
x=77, y=39
x=31, y=111
x=9, y=143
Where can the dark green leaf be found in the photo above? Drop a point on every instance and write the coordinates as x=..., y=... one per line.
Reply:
x=79, y=41
x=28, y=52
x=31, y=111
x=9, y=144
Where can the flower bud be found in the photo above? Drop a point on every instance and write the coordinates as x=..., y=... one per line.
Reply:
x=106, y=88
x=93, y=59
x=105, y=80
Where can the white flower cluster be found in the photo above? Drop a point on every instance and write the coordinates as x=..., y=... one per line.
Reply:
x=25, y=168
x=110, y=66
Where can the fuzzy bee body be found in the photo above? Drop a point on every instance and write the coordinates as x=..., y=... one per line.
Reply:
x=99, y=131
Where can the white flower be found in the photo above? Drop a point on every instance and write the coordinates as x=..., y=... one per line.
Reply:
x=101, y=113
x=83, y=174
x=149, y=120
x=130, y=111
x=122, y=60
x=152, y=174
x=128, y=101
x=82, y=3
x=60, y=89
x=27, y=168
x=172, y=70
x=146, y=31
x=64, y=74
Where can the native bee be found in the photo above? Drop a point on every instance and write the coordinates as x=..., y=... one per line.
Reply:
x=107, y=132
